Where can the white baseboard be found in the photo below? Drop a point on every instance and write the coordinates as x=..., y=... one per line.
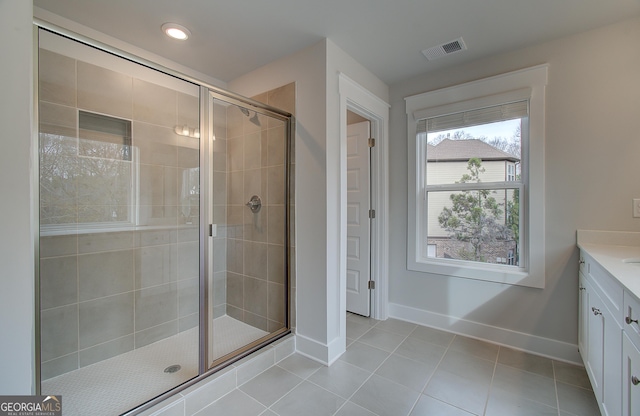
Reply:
x=337, y=347
x=546, y=347
x=325, y=354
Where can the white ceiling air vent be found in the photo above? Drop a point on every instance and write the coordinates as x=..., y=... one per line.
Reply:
x=445, y=49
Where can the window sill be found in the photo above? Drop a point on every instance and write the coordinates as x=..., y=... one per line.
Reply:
x=486, y=272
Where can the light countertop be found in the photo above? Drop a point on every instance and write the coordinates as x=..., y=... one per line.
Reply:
x=609, y=249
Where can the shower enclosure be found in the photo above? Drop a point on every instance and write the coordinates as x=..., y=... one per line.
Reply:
x=164, y=227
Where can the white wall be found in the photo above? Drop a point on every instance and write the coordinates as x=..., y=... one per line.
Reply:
x=16, y=229
x=592, y=148
x=315, y=71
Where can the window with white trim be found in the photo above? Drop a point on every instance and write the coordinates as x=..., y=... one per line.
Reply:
x=472, y=211
x=476, y=179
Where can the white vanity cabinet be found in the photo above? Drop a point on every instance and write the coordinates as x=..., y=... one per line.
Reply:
x=631, y=357
x=583, y=307
x=594, y=361
x=609, y=311
x=630, y=377
x=600, y=305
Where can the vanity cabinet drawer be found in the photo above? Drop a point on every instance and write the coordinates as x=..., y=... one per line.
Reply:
x=631, y=317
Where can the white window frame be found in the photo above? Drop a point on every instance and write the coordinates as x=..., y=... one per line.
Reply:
x=526, y=84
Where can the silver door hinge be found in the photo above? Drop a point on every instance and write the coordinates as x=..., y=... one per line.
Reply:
x=371, y=284
x=372, y=213
x=372, y=142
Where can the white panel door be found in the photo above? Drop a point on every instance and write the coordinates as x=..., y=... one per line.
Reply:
x=358, y=223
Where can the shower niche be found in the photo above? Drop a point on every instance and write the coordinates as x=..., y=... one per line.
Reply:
x=154, y=268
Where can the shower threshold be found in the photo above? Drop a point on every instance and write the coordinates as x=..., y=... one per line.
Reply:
x=118, y=384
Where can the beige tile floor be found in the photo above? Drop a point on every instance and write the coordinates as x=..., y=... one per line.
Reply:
x=394, y=368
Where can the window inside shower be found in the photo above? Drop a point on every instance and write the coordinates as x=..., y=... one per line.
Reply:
x=154, y=265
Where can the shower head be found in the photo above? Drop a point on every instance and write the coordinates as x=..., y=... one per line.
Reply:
x=253, y=119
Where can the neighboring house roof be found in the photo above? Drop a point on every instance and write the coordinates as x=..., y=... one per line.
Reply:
x=462, y=150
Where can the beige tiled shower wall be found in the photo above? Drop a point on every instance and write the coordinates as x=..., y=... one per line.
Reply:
x=256, y=244
x=119, y=251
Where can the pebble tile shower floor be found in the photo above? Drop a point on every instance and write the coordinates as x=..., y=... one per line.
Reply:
x=113, y=386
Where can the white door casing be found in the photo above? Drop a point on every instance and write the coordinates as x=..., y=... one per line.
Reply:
x=355, y=98
x=358, y=222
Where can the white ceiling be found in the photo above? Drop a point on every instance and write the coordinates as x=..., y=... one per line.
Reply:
x=233, y=37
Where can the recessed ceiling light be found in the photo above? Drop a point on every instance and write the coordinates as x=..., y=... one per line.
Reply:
x=176, y=31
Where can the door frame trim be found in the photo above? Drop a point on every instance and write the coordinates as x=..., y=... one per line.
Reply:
x=355, y=98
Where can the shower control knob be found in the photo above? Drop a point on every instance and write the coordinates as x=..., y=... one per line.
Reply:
x=254, y=204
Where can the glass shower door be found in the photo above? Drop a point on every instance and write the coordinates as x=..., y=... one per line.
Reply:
x=249, y=161
x=119, y=229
